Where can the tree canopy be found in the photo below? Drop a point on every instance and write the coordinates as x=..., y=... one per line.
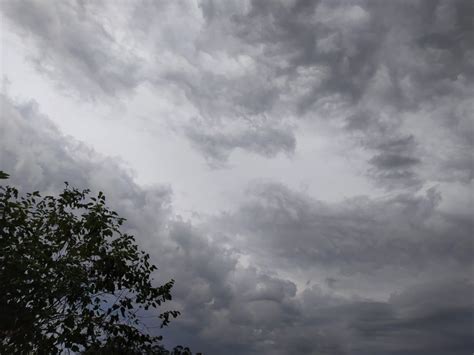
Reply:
x=72, y=280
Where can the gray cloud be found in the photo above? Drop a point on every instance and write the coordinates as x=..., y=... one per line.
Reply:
x=407, y=324
x=216, y=145
x=360, y=54
x=377, y=239
x=393, y=161
x=279, y=61
x=74, y=48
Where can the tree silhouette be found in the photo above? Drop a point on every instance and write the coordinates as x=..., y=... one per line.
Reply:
x=71, y=280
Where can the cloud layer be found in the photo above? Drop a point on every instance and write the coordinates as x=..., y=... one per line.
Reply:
x=361, y=66
x=283, y=272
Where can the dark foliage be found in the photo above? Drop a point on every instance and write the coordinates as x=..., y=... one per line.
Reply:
x=71, y=280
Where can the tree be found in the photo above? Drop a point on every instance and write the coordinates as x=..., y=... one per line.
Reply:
x=71, y=280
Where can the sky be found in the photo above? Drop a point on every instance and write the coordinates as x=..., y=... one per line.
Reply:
x=302, y=169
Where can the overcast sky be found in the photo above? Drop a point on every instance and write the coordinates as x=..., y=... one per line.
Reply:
x=302, y=169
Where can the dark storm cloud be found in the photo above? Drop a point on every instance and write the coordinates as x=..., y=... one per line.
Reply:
x=422, y=319
x=393, y=161
x=428, y=318
x=353, y=40
x=395, y=154
x=346, y=46
x=281, y=61
x=386, y=59
x=359, y=235
x=403, y=239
